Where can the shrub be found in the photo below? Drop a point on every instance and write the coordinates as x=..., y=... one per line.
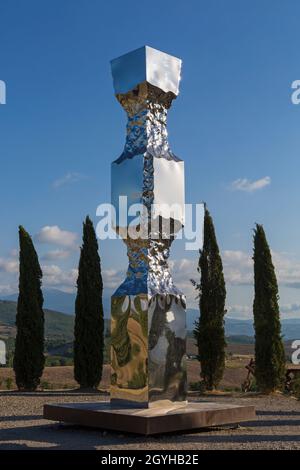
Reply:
x=9, y=383
x=197, y=386
x=45, y=384
x=296, y=387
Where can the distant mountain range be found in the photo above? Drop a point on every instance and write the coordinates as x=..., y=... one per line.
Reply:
x=54, y=299
x=58, y=326
x=235, y=327
x=63, y=303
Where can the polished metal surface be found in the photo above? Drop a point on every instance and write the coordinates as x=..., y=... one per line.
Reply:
x=129, y=348
x=167, y=348
x=148, y=344
x=148, y=311
x=146, y=64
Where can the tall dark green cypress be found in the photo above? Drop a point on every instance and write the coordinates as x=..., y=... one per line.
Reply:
x=29, y=357
x=89, y=323
x=269, y=349
x=209, y=330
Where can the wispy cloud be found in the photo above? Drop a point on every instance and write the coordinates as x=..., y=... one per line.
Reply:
x=239, y=311
x=238, y=268
x=56, y=255
x=290, y=308
x=243, y=184
x=245, y=312
x=54, y=276
x=287, y=269
x=9, y=265
x=68, y=178
x=53, y=234
x=8, y=289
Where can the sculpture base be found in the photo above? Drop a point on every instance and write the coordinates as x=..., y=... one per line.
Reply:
x=155, y=420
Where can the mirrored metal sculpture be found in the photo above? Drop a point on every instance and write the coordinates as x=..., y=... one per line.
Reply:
x=148, y=319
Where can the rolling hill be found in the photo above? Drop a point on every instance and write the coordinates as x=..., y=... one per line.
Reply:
x=64, y=302
x=59, y=317
x=236, y=327
x=57, y=325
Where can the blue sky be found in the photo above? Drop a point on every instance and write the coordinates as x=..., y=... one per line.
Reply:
x=233, y=123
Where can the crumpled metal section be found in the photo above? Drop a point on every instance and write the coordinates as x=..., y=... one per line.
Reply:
x=148, y=271
x=147, y=138
x=146, y=109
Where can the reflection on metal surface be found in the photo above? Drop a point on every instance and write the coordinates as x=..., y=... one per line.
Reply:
x=129, y=348
x=167, y=347
x=146, y=64
x=146, y=108
x=148, y=329
x=148, y=270
x=147, y=162
x=148, y=343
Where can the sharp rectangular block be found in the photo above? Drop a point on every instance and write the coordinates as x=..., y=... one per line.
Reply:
x=148, y=340
x=149, y=421
x=146, y=64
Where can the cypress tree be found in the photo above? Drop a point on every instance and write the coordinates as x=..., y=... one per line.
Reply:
x=269, y=349
x=29, y=357
x=209, y=330
x=89, y=323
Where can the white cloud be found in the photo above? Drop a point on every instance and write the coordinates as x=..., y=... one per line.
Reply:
x=287, y=269
x=68, y=178
x=243, y=184
x=7, y=289
x=290, y=308
x=183, y=270
x=56, y=255
x=56, y=236
x=54, y=276
x=245, y=312
x=238, y=267
x=239, y=311
x=112, y=278
x=9, y=265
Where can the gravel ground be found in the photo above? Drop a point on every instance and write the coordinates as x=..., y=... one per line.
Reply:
x=22, y=427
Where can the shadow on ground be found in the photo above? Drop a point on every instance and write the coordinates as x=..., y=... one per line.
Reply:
x=57, y=437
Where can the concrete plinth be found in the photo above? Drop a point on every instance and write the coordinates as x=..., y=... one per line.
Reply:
x=154, y=420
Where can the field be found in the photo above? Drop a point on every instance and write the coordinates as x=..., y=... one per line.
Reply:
x=61, y=377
